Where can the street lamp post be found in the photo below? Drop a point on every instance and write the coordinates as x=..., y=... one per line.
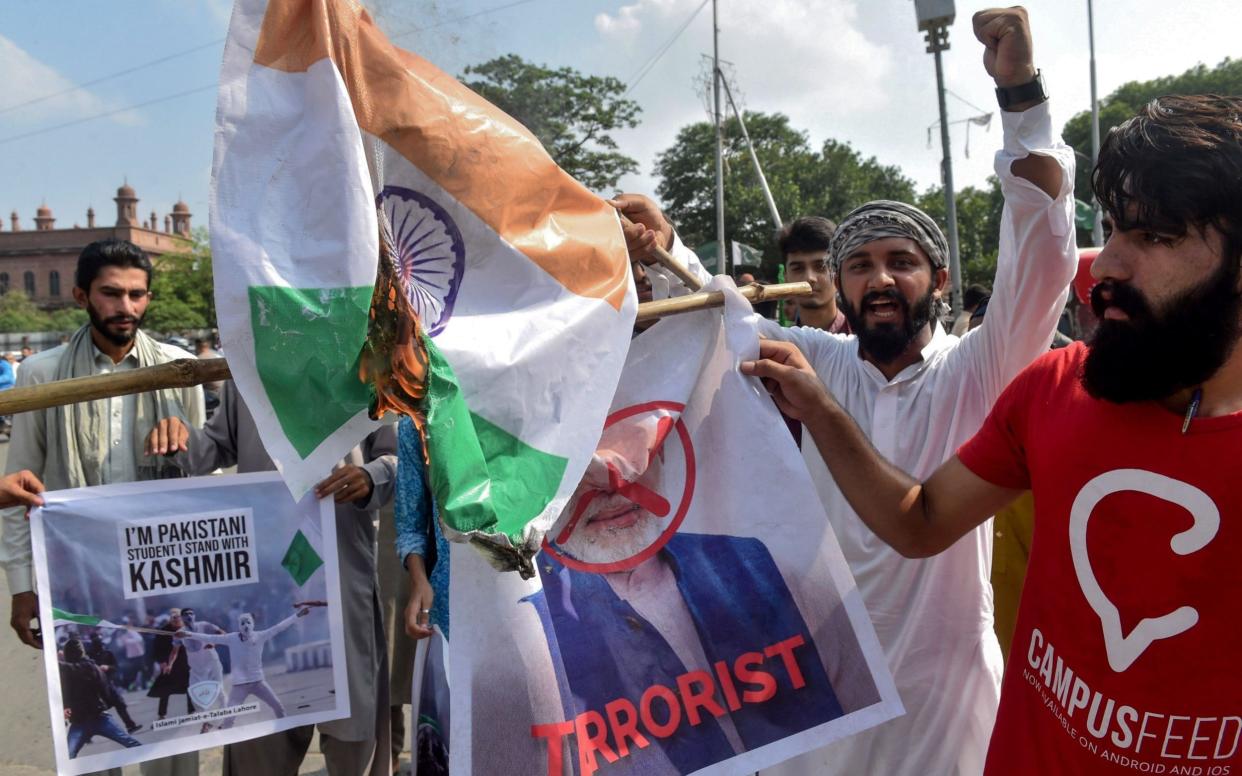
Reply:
x=934, y=18
x=1097, y=228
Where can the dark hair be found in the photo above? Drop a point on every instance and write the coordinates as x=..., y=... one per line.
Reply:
x=974, y=294
x=109, y=253
x=1175, y=165
x=806, y=234
x=73, y=650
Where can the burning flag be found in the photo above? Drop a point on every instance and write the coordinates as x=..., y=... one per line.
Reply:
x=503, y=308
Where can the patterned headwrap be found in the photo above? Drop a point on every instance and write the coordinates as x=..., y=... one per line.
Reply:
x=885, y=218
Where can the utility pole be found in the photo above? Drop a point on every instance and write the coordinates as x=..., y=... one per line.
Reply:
x=1097, y=228
x=754, y=158
x=722, y=260
x=934, y=17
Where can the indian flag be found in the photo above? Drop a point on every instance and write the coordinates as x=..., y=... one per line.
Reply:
x=327, y=134
x=62, y=617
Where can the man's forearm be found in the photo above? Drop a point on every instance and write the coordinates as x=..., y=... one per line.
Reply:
x=889, y=501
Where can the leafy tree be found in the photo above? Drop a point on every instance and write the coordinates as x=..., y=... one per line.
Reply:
x=67, y=319
x=182, y=295
x=1127, y=99
x=830, y=182
x=572, y=114
x=978, y=227
x=18, y=313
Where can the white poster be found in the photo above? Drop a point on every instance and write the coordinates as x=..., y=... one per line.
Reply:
x=690, y=614
x=184, y=614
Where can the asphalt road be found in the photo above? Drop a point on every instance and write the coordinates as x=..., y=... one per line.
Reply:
x=25, y=732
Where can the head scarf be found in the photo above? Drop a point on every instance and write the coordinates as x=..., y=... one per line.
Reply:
x=885, y=218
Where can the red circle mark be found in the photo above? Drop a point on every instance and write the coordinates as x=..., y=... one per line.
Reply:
x=625, y=564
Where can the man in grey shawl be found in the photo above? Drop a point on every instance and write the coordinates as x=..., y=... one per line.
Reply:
x=97, y=442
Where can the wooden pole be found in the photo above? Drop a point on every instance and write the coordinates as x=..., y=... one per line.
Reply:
x=650, y=311
x=182, y=373
x=667, y=261
x=185, y=372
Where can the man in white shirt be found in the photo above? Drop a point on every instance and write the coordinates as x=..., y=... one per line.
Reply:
x=919, y=393
x=246, y=650
x=97, y=442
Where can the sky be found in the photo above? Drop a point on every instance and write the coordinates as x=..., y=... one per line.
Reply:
x=852, y=70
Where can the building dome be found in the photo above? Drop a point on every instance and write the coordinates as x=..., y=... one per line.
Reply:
x=181, y=207
x=126, y=191
x=44, y=211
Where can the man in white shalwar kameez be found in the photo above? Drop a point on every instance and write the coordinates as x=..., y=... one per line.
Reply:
x=921, y=396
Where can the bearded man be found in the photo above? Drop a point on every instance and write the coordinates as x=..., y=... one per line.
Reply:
x=918, y=393
x=96, y=442
x=1128, y=445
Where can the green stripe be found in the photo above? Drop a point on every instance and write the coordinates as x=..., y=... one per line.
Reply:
x=483, y=477
x=306, y=347
x=60, y=615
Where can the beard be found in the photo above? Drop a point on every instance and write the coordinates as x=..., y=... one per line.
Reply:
x=885, y=342
x=103, y=326
x=1154, y=355
x=593, y=543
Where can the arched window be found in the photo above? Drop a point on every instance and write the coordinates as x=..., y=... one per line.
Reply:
x=53, y=283
x=4, y=282
x=28, y=281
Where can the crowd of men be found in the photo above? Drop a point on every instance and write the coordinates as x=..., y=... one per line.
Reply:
x=916, y=427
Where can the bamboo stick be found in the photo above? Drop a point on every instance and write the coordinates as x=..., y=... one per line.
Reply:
x=182, y=373
x=666, y=260
x=185, y=372
x=650, y=311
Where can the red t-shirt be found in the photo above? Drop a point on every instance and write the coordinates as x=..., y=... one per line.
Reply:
x=1127, y=652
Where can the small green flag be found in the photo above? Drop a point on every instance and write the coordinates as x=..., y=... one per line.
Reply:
x=301, y=560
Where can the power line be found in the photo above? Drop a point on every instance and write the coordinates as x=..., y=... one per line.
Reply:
x=467, y=17
x=965, y=101
x=642, y=72
x=219, y=41
x=110, y=76
x=105, y=114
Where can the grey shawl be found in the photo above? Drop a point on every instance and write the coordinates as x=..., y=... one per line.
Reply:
x=77, y=434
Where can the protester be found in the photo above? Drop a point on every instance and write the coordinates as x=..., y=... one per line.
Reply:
x=920, y=393
x=804, y=244
x=246, y=647
x=1121, y=441
x=87, y=697
x=362, y=483
x=204, y=663
x=172, y=675
x=421, y=546
x=975, y=296
x=97, y=442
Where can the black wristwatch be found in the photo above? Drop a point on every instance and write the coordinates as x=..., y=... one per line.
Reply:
x=1032, y=90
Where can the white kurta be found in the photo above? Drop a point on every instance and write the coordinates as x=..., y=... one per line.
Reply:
x=934, y=616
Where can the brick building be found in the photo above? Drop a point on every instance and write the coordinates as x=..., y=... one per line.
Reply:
x=41, y=261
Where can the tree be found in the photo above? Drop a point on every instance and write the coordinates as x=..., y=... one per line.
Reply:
x=182, y=295
x=1127, y=99
x=569, y=112
x=18, y=313
x=978, y=227
x=830, y=182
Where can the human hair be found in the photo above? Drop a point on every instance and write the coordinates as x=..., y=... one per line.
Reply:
x=73, y=650
x=109, y=253
x=974, y=294
x=806, y=234
x=1177, y=164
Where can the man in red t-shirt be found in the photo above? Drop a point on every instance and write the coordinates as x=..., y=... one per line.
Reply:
x=1127, y=643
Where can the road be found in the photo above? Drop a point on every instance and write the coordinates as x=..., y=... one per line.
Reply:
x=25, y=732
